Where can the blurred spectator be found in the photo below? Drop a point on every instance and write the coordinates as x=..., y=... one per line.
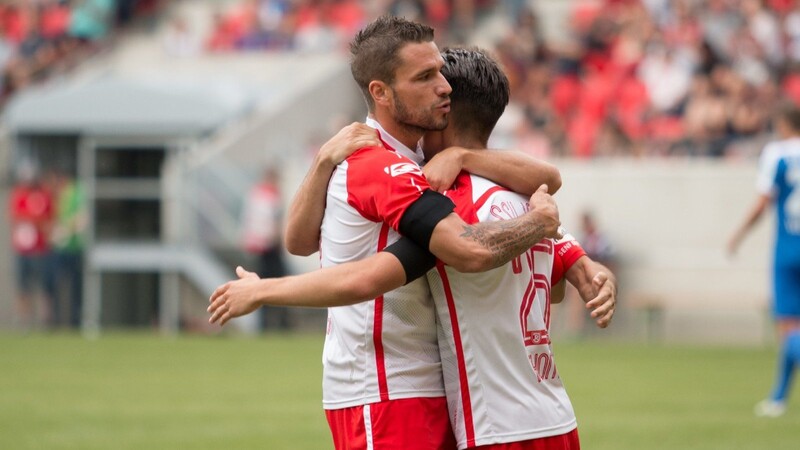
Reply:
x=318, y=33
x=54, y=19
x=91, y=19
x=41, y=38
x=30, y=212
x=594, y=242
x=261, y=229
x=68, y=241
x=667, y=75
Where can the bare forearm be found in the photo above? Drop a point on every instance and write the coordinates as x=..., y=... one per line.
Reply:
x=486, y=245
x=304, y=216
x=340, y=285
x=597, y=287
x=752, y=217
x=755, y=213
x=581, y=274
x=517, y=171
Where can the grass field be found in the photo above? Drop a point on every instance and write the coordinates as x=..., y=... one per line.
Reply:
x=141, y=391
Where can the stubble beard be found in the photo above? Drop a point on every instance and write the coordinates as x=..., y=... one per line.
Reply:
x=417, y=122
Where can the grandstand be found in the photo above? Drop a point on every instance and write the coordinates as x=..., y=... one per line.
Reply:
x=208, y=101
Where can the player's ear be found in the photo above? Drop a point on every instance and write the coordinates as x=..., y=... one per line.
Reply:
x=380, y=92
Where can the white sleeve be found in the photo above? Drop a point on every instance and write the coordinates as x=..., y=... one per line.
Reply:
x=767, y=168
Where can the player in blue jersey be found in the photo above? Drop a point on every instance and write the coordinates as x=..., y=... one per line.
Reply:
x=779, y=183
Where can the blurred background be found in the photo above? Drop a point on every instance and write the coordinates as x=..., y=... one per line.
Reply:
x=149, y=146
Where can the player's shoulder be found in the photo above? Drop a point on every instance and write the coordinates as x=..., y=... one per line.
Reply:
x=381, y=157
x=489, y=190
x=781, y=148
x=370, y=151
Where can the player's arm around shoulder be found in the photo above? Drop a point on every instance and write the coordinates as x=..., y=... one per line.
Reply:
x=484, y=246
x=514, y=170
x=305, y=213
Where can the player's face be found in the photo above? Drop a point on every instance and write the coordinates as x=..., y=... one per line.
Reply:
x=421, y=95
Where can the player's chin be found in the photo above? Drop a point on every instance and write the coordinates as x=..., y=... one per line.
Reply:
x=440, y=123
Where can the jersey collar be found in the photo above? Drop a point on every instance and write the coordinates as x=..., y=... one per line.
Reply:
x=414, y=155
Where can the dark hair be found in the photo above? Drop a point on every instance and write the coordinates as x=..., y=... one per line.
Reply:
x=789, y=113
x=375, y=50
x=480, y=90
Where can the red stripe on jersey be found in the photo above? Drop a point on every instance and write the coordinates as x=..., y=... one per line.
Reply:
x=545, y=246
x=544, y=283
x=525, y=308
x=483, y=198
x=466, y=402
x=377, y=329
x=461, y=194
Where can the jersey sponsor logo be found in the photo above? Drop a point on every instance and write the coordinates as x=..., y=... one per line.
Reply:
x=402, y=168
x=563, y=250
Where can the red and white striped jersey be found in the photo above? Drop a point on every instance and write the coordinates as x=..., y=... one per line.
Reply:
x=500, y=376
x=385, y=348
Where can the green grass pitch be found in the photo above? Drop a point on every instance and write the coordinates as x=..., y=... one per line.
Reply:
x=142, y=391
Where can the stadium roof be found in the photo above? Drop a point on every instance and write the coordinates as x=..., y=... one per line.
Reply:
x=113, y=106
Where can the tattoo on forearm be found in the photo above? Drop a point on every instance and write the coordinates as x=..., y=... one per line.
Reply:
x=506, y=238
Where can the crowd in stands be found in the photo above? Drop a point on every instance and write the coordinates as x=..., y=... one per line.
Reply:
x=654, y=77
x=323, y=25
x=40, y=38
x=631, y=77
x=628, y=77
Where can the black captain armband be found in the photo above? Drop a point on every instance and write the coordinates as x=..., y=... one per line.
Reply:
x=415, y=260
x=423, y=215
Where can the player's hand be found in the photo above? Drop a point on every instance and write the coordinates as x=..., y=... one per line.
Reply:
x=347, y=141
x=441, y=171
x=604, y=303
x=546, y=210
x=234, y=298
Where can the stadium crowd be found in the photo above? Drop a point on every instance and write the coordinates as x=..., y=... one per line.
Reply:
x=654, y=77
x=628, y=78
x=42, y=38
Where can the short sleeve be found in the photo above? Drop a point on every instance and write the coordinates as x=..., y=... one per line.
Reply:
x=382, y=184
x=567, y=252
x=767, y=169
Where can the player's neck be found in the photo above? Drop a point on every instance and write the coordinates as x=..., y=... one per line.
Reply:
x=406, y=135
x=464, y=140
x=472, y=144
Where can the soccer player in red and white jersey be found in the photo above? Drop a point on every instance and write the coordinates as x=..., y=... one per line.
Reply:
x=366, y=278
x=382, y=381
x=503, y=389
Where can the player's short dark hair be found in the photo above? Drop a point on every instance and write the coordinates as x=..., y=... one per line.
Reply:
x=480, y=90
x=375, y=50
x=790, y=113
